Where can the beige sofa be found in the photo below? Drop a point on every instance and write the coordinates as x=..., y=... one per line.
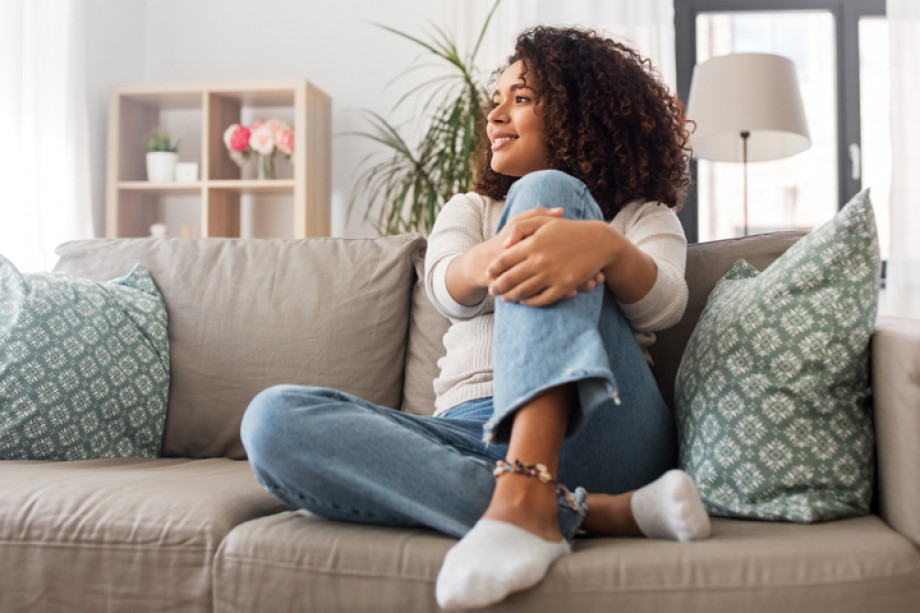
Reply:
x=193, y=531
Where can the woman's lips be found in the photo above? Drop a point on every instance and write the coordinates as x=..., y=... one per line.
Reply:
x=502, y=140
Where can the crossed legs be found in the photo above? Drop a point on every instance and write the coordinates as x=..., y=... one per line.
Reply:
x=553, y=373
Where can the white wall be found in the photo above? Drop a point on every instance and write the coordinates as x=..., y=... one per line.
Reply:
x=114, y=54
x=332, y=44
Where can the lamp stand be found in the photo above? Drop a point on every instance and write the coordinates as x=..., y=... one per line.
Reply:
x=744, y=155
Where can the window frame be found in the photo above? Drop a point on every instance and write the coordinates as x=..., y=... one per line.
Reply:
x=846, y=13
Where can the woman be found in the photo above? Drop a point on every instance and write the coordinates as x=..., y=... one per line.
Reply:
x=555, y=273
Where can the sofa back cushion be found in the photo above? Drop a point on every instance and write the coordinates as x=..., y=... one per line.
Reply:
x=706, y=264
x=245, y=314
x=426, y=346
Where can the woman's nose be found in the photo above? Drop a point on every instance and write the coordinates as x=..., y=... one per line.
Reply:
x=496, y=115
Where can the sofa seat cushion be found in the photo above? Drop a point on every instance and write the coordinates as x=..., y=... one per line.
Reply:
x=119, y=534
x=295, y=561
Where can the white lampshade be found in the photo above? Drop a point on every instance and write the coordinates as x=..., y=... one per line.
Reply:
x=747, y=92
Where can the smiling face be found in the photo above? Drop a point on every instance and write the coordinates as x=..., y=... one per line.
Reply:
x=517, y=133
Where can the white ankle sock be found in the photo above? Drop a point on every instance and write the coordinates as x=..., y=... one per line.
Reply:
x=493, y=560
x=671, y=508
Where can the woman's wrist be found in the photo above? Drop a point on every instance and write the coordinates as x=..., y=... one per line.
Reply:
x=466, y=277
x=609, y=244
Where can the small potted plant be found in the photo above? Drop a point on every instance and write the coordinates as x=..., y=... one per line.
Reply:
x=161, y=157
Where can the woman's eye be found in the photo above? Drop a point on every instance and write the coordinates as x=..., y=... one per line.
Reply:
x=517, y=100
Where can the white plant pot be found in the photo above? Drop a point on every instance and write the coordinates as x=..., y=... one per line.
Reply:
x=161, y=166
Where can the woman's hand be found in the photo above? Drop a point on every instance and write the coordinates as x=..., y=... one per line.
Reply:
x=467, y=279
x=546, y=259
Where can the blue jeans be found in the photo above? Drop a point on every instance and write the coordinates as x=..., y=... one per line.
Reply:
x=344, y=458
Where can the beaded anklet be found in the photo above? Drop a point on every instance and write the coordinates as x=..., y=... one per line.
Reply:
x=542, y=475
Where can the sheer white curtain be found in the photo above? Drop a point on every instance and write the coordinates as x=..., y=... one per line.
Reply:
x=44, y=152
x=904, y=24
x=648, y=25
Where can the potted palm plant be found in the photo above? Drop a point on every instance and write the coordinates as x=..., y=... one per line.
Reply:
x=409, y=184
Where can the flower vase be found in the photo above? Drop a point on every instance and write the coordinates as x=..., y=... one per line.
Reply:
x=267, y=166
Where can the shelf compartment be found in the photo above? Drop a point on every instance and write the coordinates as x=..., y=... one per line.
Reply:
x=136, y=115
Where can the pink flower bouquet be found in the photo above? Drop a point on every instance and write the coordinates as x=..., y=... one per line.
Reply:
x=264, y=138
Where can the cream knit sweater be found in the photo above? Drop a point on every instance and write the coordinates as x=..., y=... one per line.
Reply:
x=468, y=219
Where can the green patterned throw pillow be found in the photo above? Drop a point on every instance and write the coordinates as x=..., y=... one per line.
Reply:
x=772, y=392
x=84, y=366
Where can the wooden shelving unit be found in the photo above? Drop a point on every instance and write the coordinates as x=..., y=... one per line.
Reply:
x=133, y=204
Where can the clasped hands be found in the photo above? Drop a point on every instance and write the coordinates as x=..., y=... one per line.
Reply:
x=539, y=258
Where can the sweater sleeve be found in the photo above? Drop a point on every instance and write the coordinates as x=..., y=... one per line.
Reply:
x=458, y=228
x=656, y=230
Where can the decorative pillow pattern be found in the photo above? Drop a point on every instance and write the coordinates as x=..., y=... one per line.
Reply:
x=84, y=366
x=772, y=391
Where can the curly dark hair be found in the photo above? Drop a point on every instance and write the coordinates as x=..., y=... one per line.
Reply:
x=610, y=120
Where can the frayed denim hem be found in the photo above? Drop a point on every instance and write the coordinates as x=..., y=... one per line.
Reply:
x=595, y=388
x=570, y=519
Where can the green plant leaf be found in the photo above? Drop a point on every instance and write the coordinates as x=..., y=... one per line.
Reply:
x=160, y=140
x=407, y=185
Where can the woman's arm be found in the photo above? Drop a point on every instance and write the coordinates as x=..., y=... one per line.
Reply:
x=642, y=254
x=656, y=231
x=551, y=258
x=467, y=278
x=630, y=273
x=460, y=248
x=460, y=226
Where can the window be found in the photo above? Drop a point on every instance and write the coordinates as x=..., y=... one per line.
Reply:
x=830, y=42
x=875, y=121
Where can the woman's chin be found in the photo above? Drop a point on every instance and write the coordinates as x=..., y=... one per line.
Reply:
x=503, y=169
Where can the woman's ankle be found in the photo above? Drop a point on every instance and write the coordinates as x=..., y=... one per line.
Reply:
x=525, y=488
x=610, y=515
x=528, y=504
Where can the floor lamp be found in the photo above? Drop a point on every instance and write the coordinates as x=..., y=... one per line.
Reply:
x=747, y=108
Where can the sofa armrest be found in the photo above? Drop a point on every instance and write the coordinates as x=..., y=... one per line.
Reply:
x=896, y=395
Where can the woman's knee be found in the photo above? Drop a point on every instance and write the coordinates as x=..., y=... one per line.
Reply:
x=552, y=188
x=260, y=420
x=267, y=418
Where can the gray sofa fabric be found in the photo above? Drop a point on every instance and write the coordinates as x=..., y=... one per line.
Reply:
x=195, y=532
x=896, y=399
x=246, y=314
x=119, y=534
x=296, y=562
